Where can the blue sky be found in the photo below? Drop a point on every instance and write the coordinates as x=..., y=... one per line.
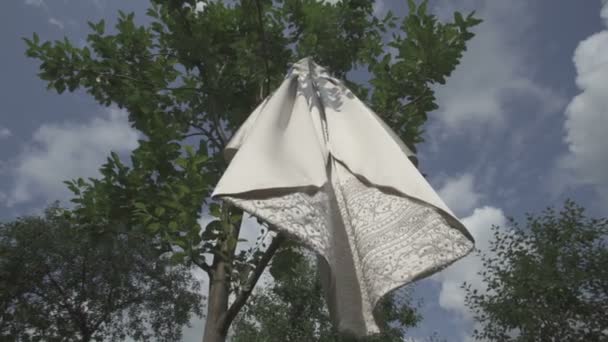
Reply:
x=521, y=124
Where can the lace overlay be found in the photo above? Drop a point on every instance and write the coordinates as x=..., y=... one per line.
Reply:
x=373, y=242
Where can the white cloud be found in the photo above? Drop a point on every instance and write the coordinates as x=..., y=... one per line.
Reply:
x=587, y=114
x=5, y=132
x=37, y=3
x=494, y=66
x=459, y=193
x=56, y=22
x=100, y=4
x=451, y=296
x=59, y=152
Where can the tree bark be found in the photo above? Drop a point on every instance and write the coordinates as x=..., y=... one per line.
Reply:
x=217, y=303
x=219, y=281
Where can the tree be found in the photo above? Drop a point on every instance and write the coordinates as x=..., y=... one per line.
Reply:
x=545, y=282
x=293, y=308
x=59, y=282
x=199, y=74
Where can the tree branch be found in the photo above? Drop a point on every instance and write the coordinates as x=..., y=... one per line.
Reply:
x=199, y=66
x=242, y=297
x=414, y=101
x=214, y=115
x=109, y=310
x=84, y=271
x=109, y=76
x=264, y=49
x=203, y=266
x=193, y=135
x=76, y=314
x=216, y=142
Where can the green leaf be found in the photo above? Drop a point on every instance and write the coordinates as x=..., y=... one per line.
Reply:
x=178, y=258
x=458, y=19
x=139, y=205
x=115, y=157
x=60, y=87
x=72, y=187
x=189, y=150
x=236, y=218
x=182, y=189
x=422, y=8
x=215, y=210
x=283, y=263
x=412, y=6
x=154, y=227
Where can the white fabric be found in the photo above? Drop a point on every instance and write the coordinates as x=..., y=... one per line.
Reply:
x=320, y=166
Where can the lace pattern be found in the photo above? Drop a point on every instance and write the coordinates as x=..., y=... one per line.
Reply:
x=372, y=241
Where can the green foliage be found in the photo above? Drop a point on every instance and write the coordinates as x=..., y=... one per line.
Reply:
x=427, y=54
x=545, y=282
x=197, y=75
x=293, y=309
x=59, y=281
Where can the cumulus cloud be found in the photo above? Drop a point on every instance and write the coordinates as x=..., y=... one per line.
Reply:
x=451, y=296
x=5, y=132
x=100, y=5
x=587, y=113
x=59, y=152
x=459, y=193
x=494, y=66
x=56, y=22
x=37, y=3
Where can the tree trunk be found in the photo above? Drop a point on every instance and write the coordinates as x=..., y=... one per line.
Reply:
x=219, y=281
x=85, y=332
x=217, y=303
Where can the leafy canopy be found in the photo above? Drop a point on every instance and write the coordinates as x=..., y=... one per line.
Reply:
x=61, y=282
x=545, y=282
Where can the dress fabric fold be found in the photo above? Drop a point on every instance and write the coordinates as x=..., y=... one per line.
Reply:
x=318, y=165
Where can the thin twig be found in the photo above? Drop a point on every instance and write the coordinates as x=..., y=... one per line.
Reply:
x=264, y=48
x=193, y=135
x=214, y=115
x=199, y=66
x=217, y=143
x=414, y=101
